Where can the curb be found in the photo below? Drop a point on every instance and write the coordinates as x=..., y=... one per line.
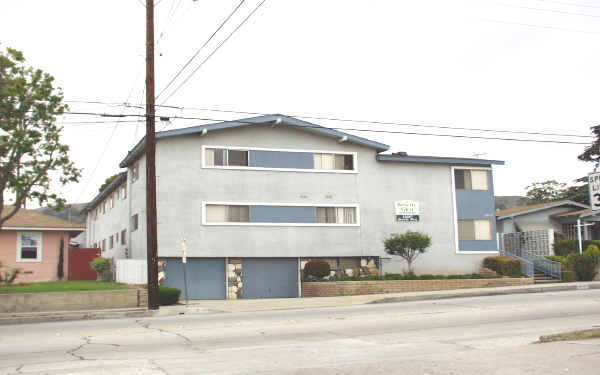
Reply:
x=483, y=293
x=60, y=316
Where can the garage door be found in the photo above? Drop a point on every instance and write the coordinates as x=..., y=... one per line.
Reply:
x=206, y=277
x=270, y=277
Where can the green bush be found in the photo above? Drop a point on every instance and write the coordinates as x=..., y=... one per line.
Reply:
x=558, y=258
x=586, y=244
x=317, y=268
x=100, y=264
x=585, y=267
x=565, y=246
x=571, y=261
x=568, y=276
x=412, y=276
x=593, y=251
x=503, y=265
x=168, y=296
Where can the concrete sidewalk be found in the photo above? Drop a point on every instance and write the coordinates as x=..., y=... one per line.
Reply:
x=267, y=304
x=249, y=305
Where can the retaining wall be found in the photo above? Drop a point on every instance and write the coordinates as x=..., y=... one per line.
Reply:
x=73, y=301
x=351, y=288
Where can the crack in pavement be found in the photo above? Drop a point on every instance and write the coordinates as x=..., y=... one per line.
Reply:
x=72, y=351
x=158, y=367
x=186, y=339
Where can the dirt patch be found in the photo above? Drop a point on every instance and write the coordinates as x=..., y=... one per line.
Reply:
x=585, y=334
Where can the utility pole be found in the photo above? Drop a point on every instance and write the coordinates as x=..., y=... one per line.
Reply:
x=151, y=227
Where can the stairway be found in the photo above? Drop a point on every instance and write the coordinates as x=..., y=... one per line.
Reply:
x=541, y=278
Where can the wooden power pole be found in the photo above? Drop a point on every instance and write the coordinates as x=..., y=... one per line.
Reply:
x=151, y=227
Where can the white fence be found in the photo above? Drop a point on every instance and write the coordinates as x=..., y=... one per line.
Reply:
x=131, y=271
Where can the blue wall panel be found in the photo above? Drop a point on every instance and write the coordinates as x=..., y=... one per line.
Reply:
x=283, y=214
x=205, y=276
x=270, y=277
x=281, y=159
x=477, y=204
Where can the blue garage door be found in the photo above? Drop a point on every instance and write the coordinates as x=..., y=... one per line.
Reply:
x=270, y=277
x=205, y=276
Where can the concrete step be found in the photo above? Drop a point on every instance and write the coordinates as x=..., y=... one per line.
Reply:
x=545, y=281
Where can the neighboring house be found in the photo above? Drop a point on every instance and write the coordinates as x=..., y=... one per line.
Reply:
x=31, y=241
x=510, y=201
x=255, y=198
x=561, y=216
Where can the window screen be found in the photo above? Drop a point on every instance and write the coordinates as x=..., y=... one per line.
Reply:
x=237, y=158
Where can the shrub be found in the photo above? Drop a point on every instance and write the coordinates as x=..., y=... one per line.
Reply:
x=585, y=267
x=586, y=244
x=568, y=276
x=503, y=265
x=594, y=252
x=558, y=258
x=9, y=276
x=565, y=246
x=168, y=296
x=317, y=268
x=408, y=245
x=100, y=265
x=571, y=261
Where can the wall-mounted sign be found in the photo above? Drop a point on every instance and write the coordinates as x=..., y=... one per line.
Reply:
x=407, y=210
x=594, y=188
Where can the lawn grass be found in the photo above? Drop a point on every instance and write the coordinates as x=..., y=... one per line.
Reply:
x=62, y=286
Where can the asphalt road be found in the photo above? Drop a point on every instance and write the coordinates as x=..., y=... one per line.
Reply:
x=479, y=335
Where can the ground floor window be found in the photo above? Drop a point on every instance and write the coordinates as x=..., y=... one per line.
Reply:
x=29, y=247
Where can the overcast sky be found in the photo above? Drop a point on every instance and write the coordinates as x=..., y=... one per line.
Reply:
x=526, y=65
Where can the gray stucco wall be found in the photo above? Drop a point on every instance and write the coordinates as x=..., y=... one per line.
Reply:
x=183, y=184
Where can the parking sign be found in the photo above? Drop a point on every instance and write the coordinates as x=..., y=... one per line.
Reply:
x=594, y=188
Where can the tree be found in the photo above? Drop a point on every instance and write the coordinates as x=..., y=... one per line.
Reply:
x=547, y=191
x=31, y=150
x=107, y=182
x=408, y=246
x=592, y=152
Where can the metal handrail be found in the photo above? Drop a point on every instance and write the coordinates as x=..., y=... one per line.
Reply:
x=527, y=266
x=533, y=262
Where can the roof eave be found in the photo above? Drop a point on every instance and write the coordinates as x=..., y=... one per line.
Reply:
x=569, y=203
x=437, y=160
x=107, y=190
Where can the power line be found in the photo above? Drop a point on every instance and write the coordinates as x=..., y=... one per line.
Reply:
x=570, y=4
x=214, y=51
x=168, y=118
x=382, y=122
x=542, y=26
x=200, y=49
x=549, y=10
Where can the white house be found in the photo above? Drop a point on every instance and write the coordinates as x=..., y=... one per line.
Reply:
x=255, y=198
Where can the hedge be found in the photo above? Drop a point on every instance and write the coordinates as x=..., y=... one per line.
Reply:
x=411, y=276
x=565, y=246
x=568, y=276
x=168, y=295
x=317, y=268
x=504, y=265
x=558, y=258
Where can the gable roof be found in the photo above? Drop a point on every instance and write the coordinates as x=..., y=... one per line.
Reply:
x=276, y=119
x=107, y=190
x=517, y=211
x=437, y=160
x=31, y=219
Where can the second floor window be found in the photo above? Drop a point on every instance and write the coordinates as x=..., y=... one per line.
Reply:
x=225, y=157
x=135, y=172
x=134, y=222
x=471, y=179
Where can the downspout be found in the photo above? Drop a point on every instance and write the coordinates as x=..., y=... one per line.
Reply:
x=129, y=197
x=579, y=234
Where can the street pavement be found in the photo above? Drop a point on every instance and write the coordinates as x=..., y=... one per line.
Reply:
x=491, y=334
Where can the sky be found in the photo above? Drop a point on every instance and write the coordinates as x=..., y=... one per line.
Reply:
x=524, y=66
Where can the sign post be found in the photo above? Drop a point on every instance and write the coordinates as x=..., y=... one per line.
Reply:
x=184, y=261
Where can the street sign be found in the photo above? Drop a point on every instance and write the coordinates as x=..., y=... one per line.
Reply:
x=594, y=189
x=407, y=210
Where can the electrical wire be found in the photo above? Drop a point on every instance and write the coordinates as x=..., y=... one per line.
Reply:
x=369, y=121
x=168, y=118
x=200, y=49
x=214, y=51
x=549, y=10
x=542, y=26
x=570, y=4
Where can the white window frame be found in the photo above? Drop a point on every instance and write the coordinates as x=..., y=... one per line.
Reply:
x=355, y=205
x=456, y=242
x=39, y=250
x=240, y=148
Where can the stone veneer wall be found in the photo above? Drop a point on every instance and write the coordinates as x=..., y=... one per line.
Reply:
x=351, y=288
x=234, y=278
